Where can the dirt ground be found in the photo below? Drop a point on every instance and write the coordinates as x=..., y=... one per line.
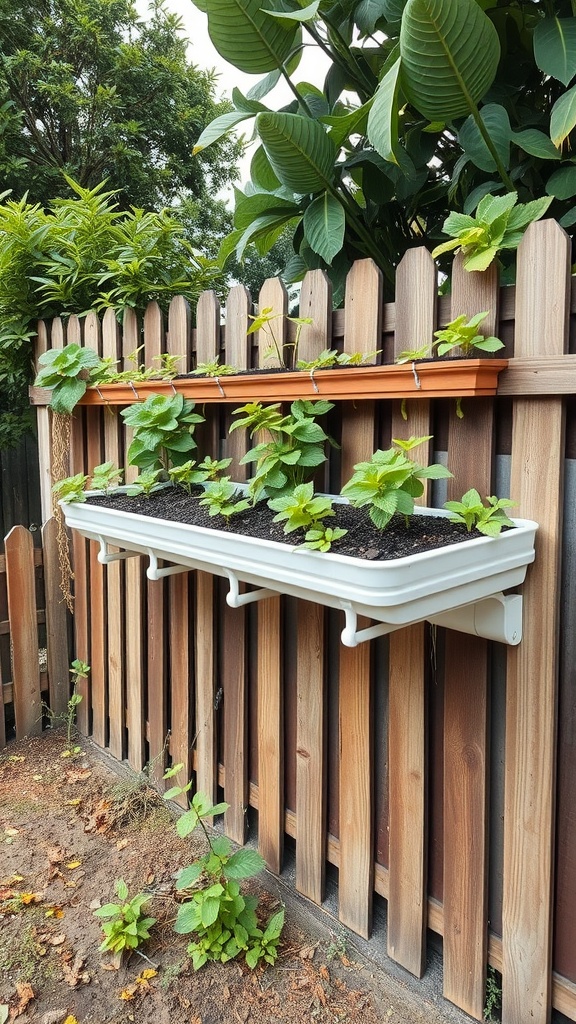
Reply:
x=71, y=826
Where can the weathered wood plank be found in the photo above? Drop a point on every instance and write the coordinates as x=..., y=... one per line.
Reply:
x=233, y=636
x=542, y=305
x=24, y=631
x=466, y=702
x=180, y=691
x=416, y=290
x=311, y=783
x=362, y=334
x=56, y=623
x=43, y=429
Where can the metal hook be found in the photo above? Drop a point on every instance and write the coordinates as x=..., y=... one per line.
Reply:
x=136, y=395
x=219, y=386
x=416, y=377
x=314, y=384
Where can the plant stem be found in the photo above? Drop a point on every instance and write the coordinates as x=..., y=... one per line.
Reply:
x=298, y=96
x=490, y=145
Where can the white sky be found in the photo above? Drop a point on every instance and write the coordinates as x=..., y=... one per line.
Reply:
x=313, y=65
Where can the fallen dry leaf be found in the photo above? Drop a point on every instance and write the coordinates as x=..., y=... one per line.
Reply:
x=324, y=972
x=95, y=904
x=77, y=774
x=74, y=973
x=30, y=897
x=145, y=975
x=37, y=778
x=55, y=854
x=73, y=864
x=11, y=831
x=100, y=817
x=307, y=952
x=122, y=844
x=56, y=912
x=73, y=803
x=70, y=1019
x=128, y=992
x=25, y=996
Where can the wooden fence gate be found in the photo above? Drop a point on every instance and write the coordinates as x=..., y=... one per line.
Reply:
x=426, y=766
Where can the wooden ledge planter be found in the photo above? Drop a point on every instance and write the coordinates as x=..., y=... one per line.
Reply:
x=456, y=378
x=458, y=586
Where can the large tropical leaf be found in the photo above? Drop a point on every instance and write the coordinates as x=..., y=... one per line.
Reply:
x=299, y=150
x=307, y=13
x=562, y=184
x=218, y=127
x=383, y=117
x=450, y=53
x=497, y=123
x=563, y=117
x=247, y=37
x=555, y=48
x=536, y=144
x=324, y=226
x=247, y=208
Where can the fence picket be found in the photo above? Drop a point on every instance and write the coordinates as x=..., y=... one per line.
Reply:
x=362, y=334
x=21, y=588
x=542, y=307
x=311, y=783
x=56, y=624
x=43, y=414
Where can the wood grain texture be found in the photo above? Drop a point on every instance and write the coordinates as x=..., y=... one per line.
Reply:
x=542, y=305
x=362, y=334
x=416, y=290
x=466, y=757
x=43, y=429
x=57, y=653
x=181, y=697
x=21, y=590
x=80, y=564
x=311, y=782
x=233, y=637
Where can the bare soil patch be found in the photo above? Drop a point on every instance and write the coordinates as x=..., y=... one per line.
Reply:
x=70, y=826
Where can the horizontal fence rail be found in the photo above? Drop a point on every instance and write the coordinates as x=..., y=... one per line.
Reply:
x=391, y=760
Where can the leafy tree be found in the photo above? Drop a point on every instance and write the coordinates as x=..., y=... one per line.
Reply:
x=90, y=89
x=428, y=106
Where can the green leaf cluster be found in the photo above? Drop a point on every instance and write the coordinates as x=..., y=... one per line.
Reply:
x=487, y=519
x=67, y=372
x=106, y=477
x=221, y=498
x=127, y=927
x=463, y=334
x=388, y=483
x=72, y=488
x=301, y=509
x=163, y=426
x=186, y=475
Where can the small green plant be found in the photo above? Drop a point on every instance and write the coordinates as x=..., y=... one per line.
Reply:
x=287, y=356
x=493, y=1001
x=488, y=519
x=294, y=449
x=68, y=372
x=127, y=927
x=71, y=488
x=300, y=509
x=409, y=355
x=106, y=477
x=214, y=368
x=78, y=670
x=223, y=921
x=163, y=426
x=389, y=482
x=321, y=537
x=462, y=333
x=146, y=483
x=499, y=224
x=221, y=499
x=331, y=357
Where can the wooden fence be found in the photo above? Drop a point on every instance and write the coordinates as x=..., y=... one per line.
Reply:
x=34, y=655
x=426, y=766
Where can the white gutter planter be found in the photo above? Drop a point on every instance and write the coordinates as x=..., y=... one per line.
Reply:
x=459, y=586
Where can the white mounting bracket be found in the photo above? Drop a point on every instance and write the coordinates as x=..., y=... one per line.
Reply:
x=153, y=572
x=498, y=618
x=234, y=599
x=105, y=556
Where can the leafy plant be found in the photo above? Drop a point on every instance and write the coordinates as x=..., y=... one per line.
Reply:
x=147, y=482
x=287, y=355
x=72, y=488
x=500, y=223
x=223, y=921
x=78, y=670
x=463, y=334
x=332, y=357
x=321, y=537
x=127, y=927
x=221, y=499
x=214, y=368
x=410, y=355
x=106, y=476
x=67, y=371
x=389, y=482
x=493, y=1001
x=295, y=448
x=488, y=519
x=300, y=508
x=163, y=426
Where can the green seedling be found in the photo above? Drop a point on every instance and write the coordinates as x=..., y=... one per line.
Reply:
x=331, y=357
x=146, y=483
x=72, y=488
x=214, y=368
x=221, y=499
x=463, y=334
x=183, y=475
x=294, y=449
x=222, y=919
x=500, y=223
x=300, y=509
x=68, y=372
x=488, y=519
x=163, y=426
x=264, y=321
x=78, y=670
x=389, y=482
x=106, y=477
x=409, y=355
x=127, y=927
x=321, y=538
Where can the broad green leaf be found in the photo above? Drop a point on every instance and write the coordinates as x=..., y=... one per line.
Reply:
x=569, y=219
x=246, y=104
x=324, y=226
x=261, y=89
x=304, y=14
x=368, y=12
x=490, y=208
x=450, y=52
x=472, y=200
x=248, y=38
x=209, y=912
x=562, y=184
x=563, y=117
x=383, y=117
x=481, y=260
x=497, y=123
x=250, y=207
x=555, y=48
x=526, y=213
x=190, y=875
x=343, y=126
x=260, y=227
x=300, y=151
x=261, y=171
x=535, y=143
x=218, y=127
x=188, y=918
x=66, y=396
x=243, y=864
x=275, y=926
